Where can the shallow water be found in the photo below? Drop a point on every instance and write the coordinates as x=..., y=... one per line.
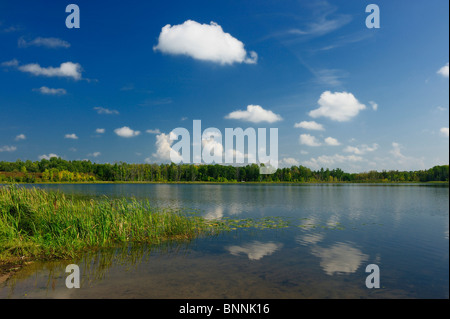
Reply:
x=335, y=231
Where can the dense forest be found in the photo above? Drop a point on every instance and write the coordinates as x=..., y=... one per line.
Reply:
x=60, y=170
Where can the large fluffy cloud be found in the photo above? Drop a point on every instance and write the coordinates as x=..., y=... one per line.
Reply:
x=337, y=106
x=255, y=114
x=207, y=42
x=164, y=151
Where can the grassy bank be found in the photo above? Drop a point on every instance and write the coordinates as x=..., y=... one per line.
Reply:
x=37, y=224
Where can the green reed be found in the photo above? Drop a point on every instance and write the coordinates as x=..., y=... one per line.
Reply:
x=39, y=224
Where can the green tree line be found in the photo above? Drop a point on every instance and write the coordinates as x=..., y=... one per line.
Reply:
x=58, y=169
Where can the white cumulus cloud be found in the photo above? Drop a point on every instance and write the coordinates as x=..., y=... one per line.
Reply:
x=7, y=148
x=289, y=161
x=444, y=131
x=207, y=42
x=66, y=69
x=337, y=106
x=374, y=105
x=126, y=132
x=332, y=141
x=71, y=136
x=95, y=154
x=309, y=140
x=443, y=71
x=155, y=131
x=310, y=125
x=361, y=149
x=164, y=149
x=406, y=162
x=332, y=161
x=255, y=114
x=20, y=137
x=47, y=157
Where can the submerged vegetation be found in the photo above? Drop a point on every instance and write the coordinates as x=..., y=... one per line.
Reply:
x=60, y=170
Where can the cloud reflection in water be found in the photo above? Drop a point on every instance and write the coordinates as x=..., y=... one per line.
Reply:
x=255, y=250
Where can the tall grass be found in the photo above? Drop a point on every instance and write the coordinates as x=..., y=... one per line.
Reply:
x=40, y=224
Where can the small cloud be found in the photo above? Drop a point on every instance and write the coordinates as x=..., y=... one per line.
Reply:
x=47, y=157
x=156, y=102
x=126, y=132
x=255, y=114
x=337, y=106
x=52, y=43
x=309, y=140
x=10, y=63
x=310, y=125
x=443, y=71
x=10, y=29
x=20, y=137
x=206, y=42
x=444, y=131
x=49, y=91
x=332, y=141
x=7, y=148
x=332, y=161
x=361, y=149
x=396, y=150
x=95, y=154
x=100, y=130
x=289, y=161
x=330, y=77
x=128, y=87
x=374, y=105
x=407, y=162
x=155, y=131
x=184, y=118
x=71, y=136
x=66, y=69
x=102, y=110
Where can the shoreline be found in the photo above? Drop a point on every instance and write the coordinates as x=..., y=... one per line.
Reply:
x=228, y=183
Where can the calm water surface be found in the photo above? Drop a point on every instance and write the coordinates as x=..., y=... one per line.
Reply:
x=335, y=231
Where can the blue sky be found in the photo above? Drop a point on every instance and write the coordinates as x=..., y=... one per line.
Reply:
x=341, y=94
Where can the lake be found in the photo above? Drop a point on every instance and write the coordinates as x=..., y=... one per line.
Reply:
x=335, y=231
